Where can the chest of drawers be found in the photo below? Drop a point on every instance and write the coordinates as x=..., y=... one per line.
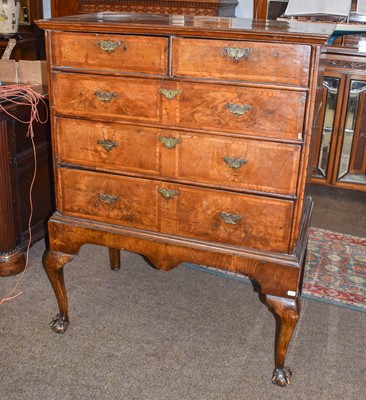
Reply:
x=185, y=139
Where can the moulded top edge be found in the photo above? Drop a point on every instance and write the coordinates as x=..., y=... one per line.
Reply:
x=204, y=26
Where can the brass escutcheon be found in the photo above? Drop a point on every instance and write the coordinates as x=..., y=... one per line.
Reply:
x=235, y=163
x=169, y=142
x=108, y=45
x=105, y=95
x=238, y=109
x=107, y=144
x=169, y=93
x=231, y=219
x=236, y=53
x=168, y=193
x=107, y=198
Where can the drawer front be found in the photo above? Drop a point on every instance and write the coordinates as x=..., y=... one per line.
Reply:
x=106, y=97
x=247, y=61
x=206, y=159
x=125, y=54
x=204, y=214
x=222, y=108
x=243, y=110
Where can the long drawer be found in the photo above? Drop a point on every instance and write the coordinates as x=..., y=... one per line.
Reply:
x=110, y=52
x=187, y=211
x=241, y=60
x=271, y=113
x=198, y=158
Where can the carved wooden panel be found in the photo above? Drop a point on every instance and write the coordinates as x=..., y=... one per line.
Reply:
x=191, y=7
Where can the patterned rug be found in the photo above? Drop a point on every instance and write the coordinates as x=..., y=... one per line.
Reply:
x=335, y=270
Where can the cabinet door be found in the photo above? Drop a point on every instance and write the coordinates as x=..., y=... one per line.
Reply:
x=333, y=87
x=350, y=167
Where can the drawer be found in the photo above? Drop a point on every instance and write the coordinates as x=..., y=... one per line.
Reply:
x=271, y=113
x=199, y=158
x=103, y=52
x=105, y=97
x=237, y=60
x=181, y=210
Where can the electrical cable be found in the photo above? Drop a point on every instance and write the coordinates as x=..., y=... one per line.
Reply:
x=24, y=95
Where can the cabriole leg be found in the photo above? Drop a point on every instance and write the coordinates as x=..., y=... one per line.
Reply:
x=287, y=311
x=53, y=263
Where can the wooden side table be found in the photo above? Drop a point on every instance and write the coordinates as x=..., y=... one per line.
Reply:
x=16, y=172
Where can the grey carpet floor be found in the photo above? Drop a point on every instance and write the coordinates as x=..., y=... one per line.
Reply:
x=144, y=334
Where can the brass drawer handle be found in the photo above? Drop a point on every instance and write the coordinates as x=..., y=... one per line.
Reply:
x=235, y=163
x=108, y=45
x=169, y=142
x=236, y=53
x=105, y=96
x=107, y=198
x=231, y=219
x=238, y=109
x=107, y=144
x=168, y=193
x=169, y=93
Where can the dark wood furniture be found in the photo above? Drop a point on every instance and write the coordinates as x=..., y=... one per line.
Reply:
x=195, y=7
x=16, y=172
x=185, y=139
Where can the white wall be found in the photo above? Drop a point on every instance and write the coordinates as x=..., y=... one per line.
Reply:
x=243, y=10
x=46, y=8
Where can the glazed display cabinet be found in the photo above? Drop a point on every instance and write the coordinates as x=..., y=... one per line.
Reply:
x=341, y=149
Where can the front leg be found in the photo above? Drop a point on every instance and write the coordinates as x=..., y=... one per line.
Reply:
x=287, y=311
x=53, y=263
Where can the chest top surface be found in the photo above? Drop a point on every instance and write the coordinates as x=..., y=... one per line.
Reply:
x=188, y=25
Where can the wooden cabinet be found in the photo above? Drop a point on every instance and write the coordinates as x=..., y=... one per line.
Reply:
x=185, y=139
x=341, y=149
x=192, y=7
x=16, y=173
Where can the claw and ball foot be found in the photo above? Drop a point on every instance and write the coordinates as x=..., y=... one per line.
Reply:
x=59, y=324
x=282, y=376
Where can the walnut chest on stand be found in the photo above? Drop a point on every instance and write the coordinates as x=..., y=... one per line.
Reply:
x=185, y=139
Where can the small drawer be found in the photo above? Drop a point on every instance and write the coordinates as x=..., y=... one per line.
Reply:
x=180, y=210
x=105, y=97
x=102, y=52
x=286, y=64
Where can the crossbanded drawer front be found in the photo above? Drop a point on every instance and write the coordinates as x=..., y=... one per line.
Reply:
x=180, y=210
x=242, y=110
x=102, y=52
x=237, y=60
x=113, y=98
x=200, y=158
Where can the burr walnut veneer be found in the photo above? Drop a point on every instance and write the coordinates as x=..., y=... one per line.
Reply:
x=185, y=139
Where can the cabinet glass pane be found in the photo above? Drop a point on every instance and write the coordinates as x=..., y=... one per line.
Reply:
x=331, y=86
x=352, y=159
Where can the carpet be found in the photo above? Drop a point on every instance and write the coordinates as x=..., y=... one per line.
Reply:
x=335, y=270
